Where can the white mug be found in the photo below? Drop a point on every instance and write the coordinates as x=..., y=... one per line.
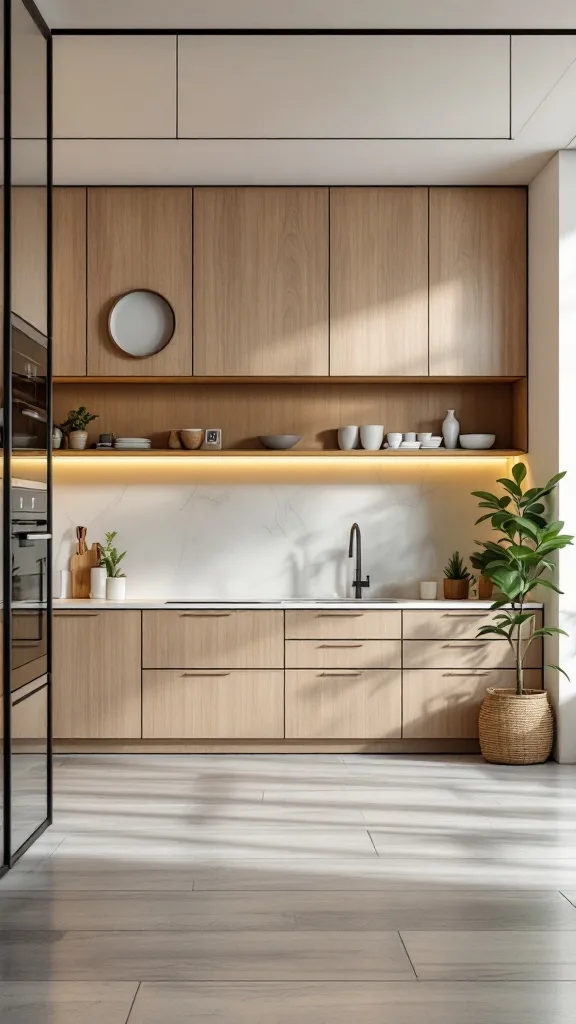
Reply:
x=428, y=591
x=347, y=438
x=424, y=437
x=410, y=435
x=394, y=440
x=371, y=437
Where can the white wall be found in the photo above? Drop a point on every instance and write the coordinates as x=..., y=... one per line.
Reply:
x=250, y=531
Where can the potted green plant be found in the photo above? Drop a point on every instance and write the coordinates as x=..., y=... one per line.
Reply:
x=479, y=560
x=456, y=579
x=75, y=427
x=516, y=725
x=110, y=561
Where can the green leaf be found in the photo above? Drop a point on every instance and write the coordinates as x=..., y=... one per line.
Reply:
x=486, y=496
x=550, y=631
x=537, y=520
x=536, y=507
x=555, y=479
x=483, y=519
x=525, y=526
x=549, y=585
x=505, y=501
x=511, y=486
x=497, y=630
x=521, y=551
x=558, y=669
x=519, y=472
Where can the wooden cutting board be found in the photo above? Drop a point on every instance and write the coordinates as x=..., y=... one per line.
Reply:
x=81, y=562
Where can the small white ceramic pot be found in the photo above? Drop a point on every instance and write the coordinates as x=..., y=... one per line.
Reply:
x=410, y=435
x=98, y=584
x=427, y=436
x=394, y=440
x=116, y=588
x=428, y=591
x=56, y=437
x=371, y=436
x=77, y=440
x=347, y=438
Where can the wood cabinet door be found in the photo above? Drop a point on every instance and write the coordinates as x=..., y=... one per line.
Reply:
x=97, y=675
x=345, y=624
x=29, y=247
x=478, y=282
x=213, y=639
x=343, y=704
x=261, y=282
x=379, y=282
x=69, y=282
x=444, y=704
x=217, y=704
x=139, y=238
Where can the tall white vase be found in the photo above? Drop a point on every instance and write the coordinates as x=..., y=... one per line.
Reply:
x=450, y=430
x=98, y=583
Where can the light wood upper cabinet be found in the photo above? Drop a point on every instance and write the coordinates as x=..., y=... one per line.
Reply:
x=139, y=238
x=261, y=281
x=30, y=255
x=477, y=281
x=379, y=281
x=97, y=675
x=69, y=282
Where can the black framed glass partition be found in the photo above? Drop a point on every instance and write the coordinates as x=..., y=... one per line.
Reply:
x=26, y=430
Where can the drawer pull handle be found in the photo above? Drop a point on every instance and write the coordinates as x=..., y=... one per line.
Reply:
x=340, y=615
x=207, y=672
x=464, y=615
x=77, y=615
x=472, y=672
x=466, y=645
x=205, y=615
x=352, y=675
x=339, y=646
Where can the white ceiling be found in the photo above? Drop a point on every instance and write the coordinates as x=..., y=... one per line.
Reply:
x=309, y=13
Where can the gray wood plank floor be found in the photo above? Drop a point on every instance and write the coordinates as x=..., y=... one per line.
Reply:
x=295, y=889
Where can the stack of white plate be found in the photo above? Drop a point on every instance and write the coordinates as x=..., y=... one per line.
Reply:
x=133, y=443
x=432, y=442
x=410, y=444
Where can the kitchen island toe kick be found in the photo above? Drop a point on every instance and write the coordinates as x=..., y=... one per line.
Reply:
x=407, y=677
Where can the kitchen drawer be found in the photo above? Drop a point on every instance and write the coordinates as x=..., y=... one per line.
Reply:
x=451, y=624
x=343, y=654
x=343, y=704
x=203, y=704
x=440, y=704
x=465, y=654
x=212, y=639
x=350, y=624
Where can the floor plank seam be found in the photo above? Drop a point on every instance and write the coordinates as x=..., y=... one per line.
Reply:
x=373, y=843
x=416, y=978
x=133, y=1001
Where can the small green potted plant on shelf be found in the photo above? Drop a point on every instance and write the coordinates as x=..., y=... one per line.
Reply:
x=516, y=726
x=110, y=561
x=479, y=560
x=75, y=427
x=456, y=579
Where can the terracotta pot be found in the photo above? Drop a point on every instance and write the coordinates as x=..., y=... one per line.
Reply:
x=516, y=729
x=456, y=590
x=485, y=588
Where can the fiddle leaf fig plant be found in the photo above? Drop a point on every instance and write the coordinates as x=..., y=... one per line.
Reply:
x=520, y=560
x=110, y=557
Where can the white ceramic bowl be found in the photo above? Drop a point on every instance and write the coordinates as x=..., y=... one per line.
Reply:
x=477, y=442
x=280, y=442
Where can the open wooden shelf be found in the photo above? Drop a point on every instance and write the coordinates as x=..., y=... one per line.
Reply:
x=253, y=380
x=435, y=453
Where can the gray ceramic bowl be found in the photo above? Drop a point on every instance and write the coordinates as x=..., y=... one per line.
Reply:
x=280, y=441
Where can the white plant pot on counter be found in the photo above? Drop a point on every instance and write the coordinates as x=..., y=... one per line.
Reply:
x=98, y=584
x=116, y=588
x=77, y=440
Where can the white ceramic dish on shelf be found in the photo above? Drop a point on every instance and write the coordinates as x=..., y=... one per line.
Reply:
x=477, y=442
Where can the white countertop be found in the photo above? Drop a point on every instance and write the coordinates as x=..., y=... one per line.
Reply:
x=281, y=605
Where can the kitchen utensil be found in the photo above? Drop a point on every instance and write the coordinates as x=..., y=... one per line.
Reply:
x=394, y=440
x=81, y=563
x=477, y=442
x=192, y=437
x=280, y=442
x=348, y=438
x=141, y=323
x=428, y=591
x=371, y=436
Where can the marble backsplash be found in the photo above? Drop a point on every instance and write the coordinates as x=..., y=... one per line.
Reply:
x=274, y=534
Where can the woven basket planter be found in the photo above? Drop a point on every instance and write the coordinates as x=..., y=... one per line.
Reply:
x=514, y=729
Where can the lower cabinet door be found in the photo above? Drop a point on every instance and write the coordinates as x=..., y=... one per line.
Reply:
x=343, y=704
x=212, y=704
x=444, y=704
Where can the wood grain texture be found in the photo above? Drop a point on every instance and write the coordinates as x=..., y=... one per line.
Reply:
x=475, y=653
x=478, y=281
x=69, y=281
x=444, y=704
x=244, y=411
x=343, y=654
x=139, y=238
x=30, y=255
x=343, y=703
x=379, y=281
x=343, y=625
x=80, y=566
x=213, y=639
x=97, y=675
x=261, y=281
x=205, y=705
x=452, y=624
